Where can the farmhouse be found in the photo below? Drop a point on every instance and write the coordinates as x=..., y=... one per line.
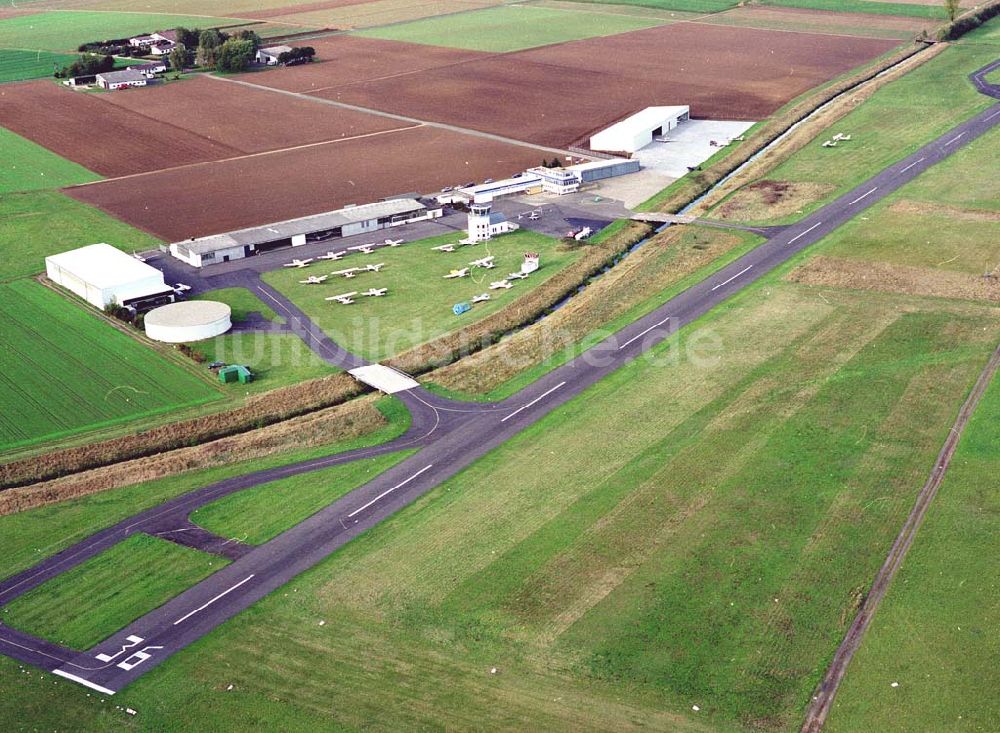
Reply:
x=345, y=222
x=103, y=275
x=151, y=69
x=154, y=39
x=269, y=55
x=121, y=79
x=638, y=131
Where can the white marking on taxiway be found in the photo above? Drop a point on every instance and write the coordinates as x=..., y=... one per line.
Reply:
x=82, y=681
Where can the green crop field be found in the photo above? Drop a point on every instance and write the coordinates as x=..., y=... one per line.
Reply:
x=64, y=370
x=935, y=633
x=26, y=166
x=93, y=600
x=40, y=223
x=690, y=6
x=894, y=122
x=417, y=307
x=263, y=512
x=65, y=31
x=19, y=65
x=34, y=534
x=916, y=9
x=510, y=28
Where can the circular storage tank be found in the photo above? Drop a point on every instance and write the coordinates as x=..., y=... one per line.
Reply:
x=189, y=320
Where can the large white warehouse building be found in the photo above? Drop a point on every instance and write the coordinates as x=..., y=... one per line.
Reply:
x=636, y=132
x=102, y=275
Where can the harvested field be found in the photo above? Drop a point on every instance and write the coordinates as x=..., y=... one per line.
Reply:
x=241, y=118
x=268, y=13
x=226, y=195
x=102, y=137
x=381, y=12
x=344, y=60
x=888, y=278
x=823, y=21
x=603, y=79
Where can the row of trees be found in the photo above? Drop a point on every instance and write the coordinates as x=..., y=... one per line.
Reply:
x=298, y=55
x=214, y=49
x=87, y=65
x=960, y=26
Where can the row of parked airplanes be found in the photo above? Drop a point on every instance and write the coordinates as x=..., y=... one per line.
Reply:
x=347, y=298
x=365, y=249
x=486, y=263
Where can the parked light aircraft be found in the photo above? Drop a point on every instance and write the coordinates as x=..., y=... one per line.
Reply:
x=457, y=273
x=374, y=268
x=445, y=248
x=501, y=285
x=314, y=279
x=344, y=298
x=517, y=276
x=480, y=298
x=333, y=256
x=349, y=272
x=298, y=263
x=375, y=292
x=486, y=262
x=394, y=242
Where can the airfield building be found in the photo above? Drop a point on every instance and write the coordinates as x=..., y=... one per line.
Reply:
x=103, y=275
x=636, y=132
x=345, y=222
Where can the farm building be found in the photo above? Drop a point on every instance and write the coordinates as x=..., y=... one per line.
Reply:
x=103, y=275
x=344, y=222
x=151, y=69
x=121, y=79
x=269, y=56
x=154, y=38
x=192, y=320
x=638, y=131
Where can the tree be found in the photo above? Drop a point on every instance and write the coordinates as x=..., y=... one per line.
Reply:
x=952, y=7
x=247, y=35
x=296, y=55
x=178, y=57
x=188, y=36
x=234, y=55
x=87, y=65
x=208, y=47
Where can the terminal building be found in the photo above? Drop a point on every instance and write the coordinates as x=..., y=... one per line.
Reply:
x=103, y=275
x=636, y=132
x=345, y=222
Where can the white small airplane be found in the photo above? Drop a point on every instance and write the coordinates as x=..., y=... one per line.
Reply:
x=394, y=242
x=374, y=268
x=486, y=262
x=830, y=144
x=181, y=287
x=501, y=285
x=375, y=292
x=298, y=263
x=343, y=298
x=842, y=136
x=480, y=298
x=365, y=249
x=457, y=273
x=334, y=256
x=314, y=279
x=536, y=214
x=349, y=272
x=445, y=248
x=517, y=276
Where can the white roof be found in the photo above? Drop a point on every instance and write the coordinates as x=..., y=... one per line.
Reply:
x=596, y=164
x=123, y=75
x=276, y=50
x=188, y=313
x=103, y=266
x=648, y=119
x=383, y=378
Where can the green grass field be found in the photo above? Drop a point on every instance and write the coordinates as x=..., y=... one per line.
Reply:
x=919, y=10
x=690, y=6
x=276, y=359
x=510, y=28
x=935, y=632
x=263, y=512
x=20, y=65
x=893, y=123
x=242, y=301
x=25, y=166
x=64, y=370
x=417, y=307
x=93, y=600
x=35, y=534
x=987, y=33
x=40, y=223
x=65, y=31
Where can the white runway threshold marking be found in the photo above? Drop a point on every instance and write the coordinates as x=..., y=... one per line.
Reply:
x=539, y=398
x=733, y=277
x=209, y=603
x=383, y=378
x=639, y=336
x=82, y=681
x=389, y=491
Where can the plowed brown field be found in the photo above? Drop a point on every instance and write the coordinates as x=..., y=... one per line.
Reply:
x=556, y=95
x=219, y=197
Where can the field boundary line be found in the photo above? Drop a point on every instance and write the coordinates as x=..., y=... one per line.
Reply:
x=822, y=700
x=249, y=155
x=403, y=118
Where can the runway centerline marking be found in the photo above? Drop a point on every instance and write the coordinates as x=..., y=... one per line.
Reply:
x=799, y=236
x=389, y=491
x=639, y=336
x=864, y=195
x=912, y=164
x=733, y=277
x=954, y=139
x=991, y=116
x=209, y=603
x=539, y=398
x=84, y=682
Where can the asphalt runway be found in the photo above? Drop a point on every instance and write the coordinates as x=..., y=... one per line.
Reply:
x=450, y=436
